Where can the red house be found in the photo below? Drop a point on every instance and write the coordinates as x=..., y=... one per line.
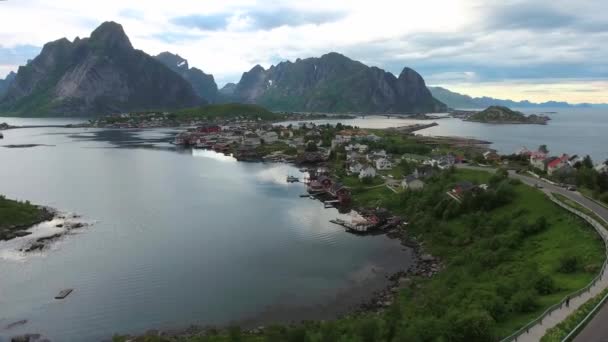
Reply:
x=210, y=129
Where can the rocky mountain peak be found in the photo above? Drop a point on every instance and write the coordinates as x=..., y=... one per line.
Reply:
x=111, y=35
x=174, y=61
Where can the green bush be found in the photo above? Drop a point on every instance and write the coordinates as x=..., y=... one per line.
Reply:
x=568, y=264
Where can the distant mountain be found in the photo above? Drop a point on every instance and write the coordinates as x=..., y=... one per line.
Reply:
x=97, y=75
x=334, y=83
x=459, y=101
x=203, y=84
x=228, y=89
x=5, y=83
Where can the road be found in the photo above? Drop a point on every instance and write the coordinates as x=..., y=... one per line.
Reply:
x=597, y=329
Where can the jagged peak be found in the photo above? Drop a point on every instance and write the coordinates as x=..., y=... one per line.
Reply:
x=257, y=68
x=111, y=34
x=173, y=59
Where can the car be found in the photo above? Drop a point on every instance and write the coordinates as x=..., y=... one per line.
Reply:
x=538, y=186
x=571, y=188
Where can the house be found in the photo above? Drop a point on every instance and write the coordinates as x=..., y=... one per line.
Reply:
x=355, y=168
x=538, y=160
x=412, y=182
x=352, y=156
x=209, y=129
x=574, y=159
x=602, y=168
x=424, y=171
x=251, y=140
x=414, y=158
x=340, y=192
x=442, y=162
x=270, y=137
x=491, y=156
x=462, y=188
x=296, y=142
x=557, y=163
x=286, y=133
x=383, y=164
x=339, y=140
x=377, y=155
x=367, y=172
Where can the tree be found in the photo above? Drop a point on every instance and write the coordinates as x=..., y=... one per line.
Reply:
x=588, y=162
x=312, y=147
x=543, y=148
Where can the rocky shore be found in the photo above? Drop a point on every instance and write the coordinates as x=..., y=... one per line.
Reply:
x=15, y=231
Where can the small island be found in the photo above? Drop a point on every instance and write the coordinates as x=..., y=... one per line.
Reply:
x=16, y=217
x=504, y=115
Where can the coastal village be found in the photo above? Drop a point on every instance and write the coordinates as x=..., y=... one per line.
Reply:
x=337, y=159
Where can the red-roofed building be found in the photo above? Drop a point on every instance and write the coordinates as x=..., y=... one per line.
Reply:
x=557, y=163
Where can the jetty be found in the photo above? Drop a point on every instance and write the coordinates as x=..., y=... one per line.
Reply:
x=64, y=293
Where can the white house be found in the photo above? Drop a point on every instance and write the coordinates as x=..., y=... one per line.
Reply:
x=367, y=172
x=355, y=168
x=411, y=182
x=602, y=168
x=251, y=140
x=538, y=160
x=270, y=137
x=339, y=140
x=383, y=164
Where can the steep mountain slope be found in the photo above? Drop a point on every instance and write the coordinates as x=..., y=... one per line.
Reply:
x=6, y=82
x=335, y=83
x=97, y=75
x=203, y=84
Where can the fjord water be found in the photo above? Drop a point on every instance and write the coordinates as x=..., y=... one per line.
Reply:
x=573, y=130
x=177, y=238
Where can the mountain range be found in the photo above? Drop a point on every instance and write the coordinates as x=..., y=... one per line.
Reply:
x=333, y=83
x=460, y=101
x=104, y=74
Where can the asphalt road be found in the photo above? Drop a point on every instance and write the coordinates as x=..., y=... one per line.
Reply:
x=597, y=329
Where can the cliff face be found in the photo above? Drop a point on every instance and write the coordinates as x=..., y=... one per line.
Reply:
x=203, y=84
x=97, y=75
x=335, y=83
x=6, y=82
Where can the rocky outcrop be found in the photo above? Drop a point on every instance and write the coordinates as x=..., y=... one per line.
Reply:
x=6, y=82
x=97, y=75
x=335, y=83
x=203, y=84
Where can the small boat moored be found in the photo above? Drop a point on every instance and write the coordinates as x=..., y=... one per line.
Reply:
x=64, y=293
x=292, y=179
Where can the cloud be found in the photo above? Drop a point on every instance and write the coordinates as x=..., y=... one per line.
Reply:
x=527, y=16
x=258, y=19
x=17, y=55
x=212, y=22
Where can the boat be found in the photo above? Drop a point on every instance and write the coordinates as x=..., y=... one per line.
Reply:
x=64, y=293
x=292, y=179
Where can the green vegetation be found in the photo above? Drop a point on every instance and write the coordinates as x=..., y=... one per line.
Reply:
x=507, y=255
x=560, y=331
x=15, y=215
x=500, y=114
x=227, y=111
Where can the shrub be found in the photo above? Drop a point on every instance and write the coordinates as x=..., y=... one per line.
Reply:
x=524, y=301
x=545, y=285
x=568, y=264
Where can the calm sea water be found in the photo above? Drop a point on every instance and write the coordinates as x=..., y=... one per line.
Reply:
x=178, y=237
x=574, y=131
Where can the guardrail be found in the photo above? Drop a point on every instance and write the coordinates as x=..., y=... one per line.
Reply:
x=604, y=234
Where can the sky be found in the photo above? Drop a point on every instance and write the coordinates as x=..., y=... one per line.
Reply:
x=537, y=50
